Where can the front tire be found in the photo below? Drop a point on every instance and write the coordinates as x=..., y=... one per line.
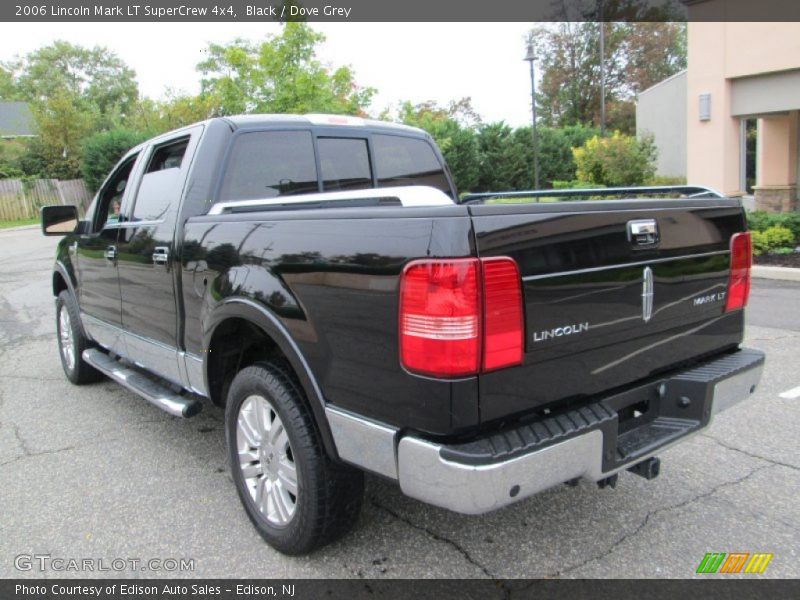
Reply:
x=72, y=342
x=295, y=495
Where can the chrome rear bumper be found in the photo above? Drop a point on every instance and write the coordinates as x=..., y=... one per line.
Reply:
x=587, y=443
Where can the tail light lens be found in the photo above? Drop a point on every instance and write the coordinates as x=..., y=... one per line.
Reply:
x=739, y=277
x=502, y=313
x=440, y=317
x=460, y=315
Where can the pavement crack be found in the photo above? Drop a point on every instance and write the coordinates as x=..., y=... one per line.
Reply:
x=436, y=536
x=772, y=461
x=20, y=440
x=27, y=452
x=647, y=518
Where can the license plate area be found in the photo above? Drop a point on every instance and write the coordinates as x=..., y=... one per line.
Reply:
x=647, y=417
x=635, y=415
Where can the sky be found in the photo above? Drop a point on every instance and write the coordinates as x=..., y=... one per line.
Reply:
x=404, y=61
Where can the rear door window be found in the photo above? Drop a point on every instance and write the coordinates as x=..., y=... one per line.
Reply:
x=266, y=164
x=407, y=161
x=344, y=163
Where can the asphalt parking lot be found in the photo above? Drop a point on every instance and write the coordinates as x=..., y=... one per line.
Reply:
x=96, y=472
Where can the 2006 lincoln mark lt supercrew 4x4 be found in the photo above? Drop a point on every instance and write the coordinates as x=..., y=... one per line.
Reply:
x=318, y=277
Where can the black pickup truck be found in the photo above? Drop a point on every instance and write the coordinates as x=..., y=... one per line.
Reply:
x=318, y=278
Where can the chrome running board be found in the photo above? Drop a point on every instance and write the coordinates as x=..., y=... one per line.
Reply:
x=139, y=383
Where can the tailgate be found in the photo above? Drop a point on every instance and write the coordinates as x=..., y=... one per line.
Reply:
x=607, y=300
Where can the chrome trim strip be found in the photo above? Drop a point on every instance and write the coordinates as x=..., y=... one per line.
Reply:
x=640, y=263
x=107, y=335
x=193, y=367
x=134, y=224
x=412, y=195
x=363, y=443
x=153, y=356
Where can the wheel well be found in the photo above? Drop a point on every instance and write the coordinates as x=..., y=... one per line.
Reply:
x=59, y=284
x=236, y=344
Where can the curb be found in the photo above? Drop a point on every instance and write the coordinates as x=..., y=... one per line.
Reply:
x=781, y=273
x=21, y=228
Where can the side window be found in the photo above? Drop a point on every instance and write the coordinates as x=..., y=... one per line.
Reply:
x=110, y=197
x=407, y=161
x=344, y=163
x=158, y=193
x=266, y=164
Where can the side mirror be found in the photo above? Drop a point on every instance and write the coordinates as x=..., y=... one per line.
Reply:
x=59, y=220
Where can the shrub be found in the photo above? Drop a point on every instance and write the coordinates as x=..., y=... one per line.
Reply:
x=619, y=160
x=575, y=185
x=775, y=238
x=760, y=220
x=665, y=180
x=556, y=161
x=103, y=150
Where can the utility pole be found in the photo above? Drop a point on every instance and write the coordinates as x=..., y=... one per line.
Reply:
x=530, y=57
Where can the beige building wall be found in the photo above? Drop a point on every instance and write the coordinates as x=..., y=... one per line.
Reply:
x=749, y=70
x=661, y=112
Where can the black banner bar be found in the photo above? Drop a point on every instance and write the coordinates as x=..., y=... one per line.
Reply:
x=398, y=11
x=731, y=588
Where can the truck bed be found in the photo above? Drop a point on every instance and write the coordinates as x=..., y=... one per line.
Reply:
x=331, y=276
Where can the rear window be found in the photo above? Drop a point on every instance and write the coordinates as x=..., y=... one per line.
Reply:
x=407, y=161
x=344, y=163
x=161, y=184
x=169, y=156
x=266, y=164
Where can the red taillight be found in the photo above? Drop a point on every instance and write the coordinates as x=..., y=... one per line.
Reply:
x=502, y=313
x=460, y=315
x=739, y=277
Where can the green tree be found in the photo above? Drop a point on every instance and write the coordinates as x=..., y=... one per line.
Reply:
x=176, y=110
x=556, y=160
x=504, y=161
x=97, y=80
x=280, y=75
x=102, y=151
x=8, y=88
x=637, y=55
x=61, y=126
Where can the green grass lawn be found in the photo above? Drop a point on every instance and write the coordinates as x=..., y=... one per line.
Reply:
x=23, y=222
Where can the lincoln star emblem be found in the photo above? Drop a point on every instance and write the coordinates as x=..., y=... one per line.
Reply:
x=647, y=294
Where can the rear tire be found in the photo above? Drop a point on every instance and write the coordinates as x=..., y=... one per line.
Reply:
x=295, y=495
x=72, y=342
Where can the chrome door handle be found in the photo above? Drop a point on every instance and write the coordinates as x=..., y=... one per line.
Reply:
x=161, y=255
x=110, y=253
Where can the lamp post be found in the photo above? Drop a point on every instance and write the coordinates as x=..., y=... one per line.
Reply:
x=530, y=57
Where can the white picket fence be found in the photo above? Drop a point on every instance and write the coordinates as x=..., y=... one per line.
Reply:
x=22, y=199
